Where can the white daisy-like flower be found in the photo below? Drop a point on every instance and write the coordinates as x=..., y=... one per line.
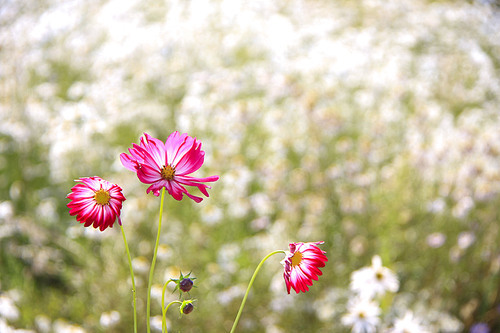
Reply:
x=362, y=315
x=374, y=280
x=408, y=324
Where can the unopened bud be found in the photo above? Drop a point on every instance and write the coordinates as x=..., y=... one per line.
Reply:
x=186, y=284
x=187, y=308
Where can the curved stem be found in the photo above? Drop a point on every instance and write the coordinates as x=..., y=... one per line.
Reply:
x=132, y=277
x=164, y=313
x=249, y=286
x=163, y=318
x=150, y=282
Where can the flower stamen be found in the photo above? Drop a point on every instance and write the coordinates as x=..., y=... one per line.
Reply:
x=167, y=172
x=102, y=197
x=296, y=258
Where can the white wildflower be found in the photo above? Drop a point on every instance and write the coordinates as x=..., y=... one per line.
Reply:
x=374, y=280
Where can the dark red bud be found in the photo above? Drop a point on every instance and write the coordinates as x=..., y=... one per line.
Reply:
x=186, y=284
x=188, y=308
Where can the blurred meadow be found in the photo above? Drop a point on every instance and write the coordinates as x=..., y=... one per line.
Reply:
x=372, y=125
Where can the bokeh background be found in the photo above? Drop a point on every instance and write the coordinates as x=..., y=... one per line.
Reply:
x=372, y=125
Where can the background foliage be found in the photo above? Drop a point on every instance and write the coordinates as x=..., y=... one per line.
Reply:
x=371, y=125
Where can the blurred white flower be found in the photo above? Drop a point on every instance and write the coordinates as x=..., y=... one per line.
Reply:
x=140, y=265
x=109, y=319
x=43, y=324
x=211, y=214
x=156, y=292
x=164, y=252
x=436, y=206
x=436, y=239
x=227, y=295
x=6, y=210
x=374, y=280
x=226, y=257
x=462, y=207
x=274, y=329
x=4, y=327
x=239, y=208
x=8, y=309
x=260, y=223
x=62, y=326
x=156, y=323
x=408, y=324
x=466, y=239
x=47, y=210
x=261, y=203
x=362, y=315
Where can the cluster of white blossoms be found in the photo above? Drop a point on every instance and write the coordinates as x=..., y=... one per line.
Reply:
x=369, y=285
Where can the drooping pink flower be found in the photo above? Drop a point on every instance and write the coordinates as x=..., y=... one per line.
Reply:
x=302, y=265
x=168, y=164
x=96, y=202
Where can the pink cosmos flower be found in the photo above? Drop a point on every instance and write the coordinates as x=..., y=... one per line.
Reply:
x=96, y=202
x=302, y=265
x=168, y=164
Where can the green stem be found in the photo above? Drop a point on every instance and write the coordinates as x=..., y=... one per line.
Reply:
x=164, y=311
x=249, y=286
x=163, y=317
x=132, y=277
x=150, y=282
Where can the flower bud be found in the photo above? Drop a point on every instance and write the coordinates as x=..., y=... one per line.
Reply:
x=187, y=308
x=186, y=284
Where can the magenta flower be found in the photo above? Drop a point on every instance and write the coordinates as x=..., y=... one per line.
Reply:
x=168, y=164
x=302, y=265
x=96, y=202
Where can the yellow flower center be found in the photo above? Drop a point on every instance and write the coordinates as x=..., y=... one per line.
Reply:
x=296, y=258
x=102, y=197
x=379, y=275
x=167, y=172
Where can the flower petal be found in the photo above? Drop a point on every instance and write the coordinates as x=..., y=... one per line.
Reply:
x=148, y=175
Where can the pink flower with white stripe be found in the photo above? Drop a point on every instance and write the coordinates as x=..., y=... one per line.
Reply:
x=168, y=164
x=302, y=265
x=96, y=202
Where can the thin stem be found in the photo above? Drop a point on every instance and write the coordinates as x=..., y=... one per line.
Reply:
x=164, y=311
x=132, y=277
x=150, y=282
x=249, y=286
x=163, y=318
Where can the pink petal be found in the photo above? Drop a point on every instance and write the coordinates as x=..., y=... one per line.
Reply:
x=155, y=152
x=148, y=175
x=129, y=162
x=177, y=146
x=186, y=180
x=156, y=187
x=178, y=190
x=191, y=161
